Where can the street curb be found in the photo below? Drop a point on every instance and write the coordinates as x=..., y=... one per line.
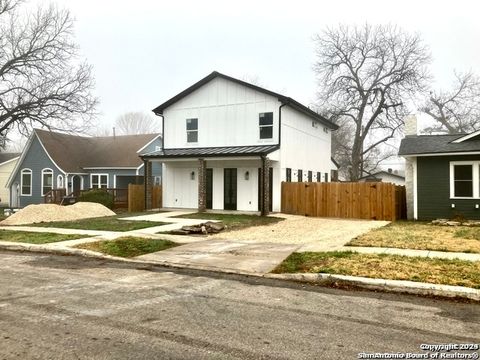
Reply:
x=395, y=286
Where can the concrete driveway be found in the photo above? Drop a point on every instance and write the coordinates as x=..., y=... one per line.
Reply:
x=236, y=256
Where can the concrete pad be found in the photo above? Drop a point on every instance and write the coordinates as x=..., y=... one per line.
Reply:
x=253, y=257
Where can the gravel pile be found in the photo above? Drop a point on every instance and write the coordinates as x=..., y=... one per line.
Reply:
x=51, y=212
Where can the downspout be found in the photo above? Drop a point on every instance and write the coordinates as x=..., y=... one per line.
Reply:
x=280, y=122
x=163, y=128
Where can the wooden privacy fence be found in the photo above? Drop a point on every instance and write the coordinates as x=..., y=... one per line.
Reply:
x=136, y=197
x=356, y=200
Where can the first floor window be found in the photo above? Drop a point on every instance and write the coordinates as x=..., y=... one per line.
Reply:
x=309, y=176
x=300, y=175
x=289, y=175
x=463, y=180
x=99, y=181
x=47, y=181
x=192, y=130
x=26, y=182
x=319, y=176
x=60, y=184
x=265, y=122
x=326, y=177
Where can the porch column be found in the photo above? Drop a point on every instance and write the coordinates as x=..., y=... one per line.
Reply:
x=265, y=186
x=202, y=185
x=147, y=182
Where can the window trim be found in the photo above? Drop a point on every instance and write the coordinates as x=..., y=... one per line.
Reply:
x=264, y=126
x=28, y=171
x=45, y=171
x=99, y=180
x=191, y=131
x=475, y=179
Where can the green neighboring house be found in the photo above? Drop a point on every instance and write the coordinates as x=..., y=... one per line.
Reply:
x=442, y=174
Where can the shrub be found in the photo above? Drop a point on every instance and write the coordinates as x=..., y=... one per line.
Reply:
x=97, y=196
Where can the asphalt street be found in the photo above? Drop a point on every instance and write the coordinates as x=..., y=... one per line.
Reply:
x=63, y=307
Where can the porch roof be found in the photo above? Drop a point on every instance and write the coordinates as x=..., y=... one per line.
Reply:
x=223, y=151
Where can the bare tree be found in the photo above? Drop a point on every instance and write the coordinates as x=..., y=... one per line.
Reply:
x=365, y=75
x=42, y=80
x=456, y=110
x=132, y=123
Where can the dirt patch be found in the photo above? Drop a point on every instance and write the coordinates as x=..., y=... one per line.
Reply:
x=50, y=212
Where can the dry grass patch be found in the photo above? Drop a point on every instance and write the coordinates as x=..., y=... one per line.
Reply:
x=394, y=267
x=422, y=236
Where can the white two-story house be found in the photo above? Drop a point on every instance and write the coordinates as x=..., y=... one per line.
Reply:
x=228, y=144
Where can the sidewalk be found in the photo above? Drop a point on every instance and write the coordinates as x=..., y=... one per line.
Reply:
x=240, y=257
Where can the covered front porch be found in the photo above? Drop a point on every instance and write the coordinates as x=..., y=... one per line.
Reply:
x=234, y=178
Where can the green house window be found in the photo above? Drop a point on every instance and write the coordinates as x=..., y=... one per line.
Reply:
x=463, y=180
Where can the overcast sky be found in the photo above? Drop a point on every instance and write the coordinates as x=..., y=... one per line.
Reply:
x=144, y=51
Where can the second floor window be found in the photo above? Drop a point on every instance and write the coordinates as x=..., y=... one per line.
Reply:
x=192, y=130
x=265, y=121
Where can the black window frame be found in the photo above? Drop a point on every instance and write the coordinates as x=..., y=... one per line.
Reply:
x=192, y=131
x=265, y=125
x=462, y=181
x=288, y=176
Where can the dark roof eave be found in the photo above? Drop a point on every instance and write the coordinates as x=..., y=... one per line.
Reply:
x=210, y=155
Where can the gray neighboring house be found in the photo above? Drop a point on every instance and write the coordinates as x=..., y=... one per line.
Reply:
x=442, y=174
x=54, y=160
x=390, y=176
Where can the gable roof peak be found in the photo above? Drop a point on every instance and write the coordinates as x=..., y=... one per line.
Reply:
x=282, y=98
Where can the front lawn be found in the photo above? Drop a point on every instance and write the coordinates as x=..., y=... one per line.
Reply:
x=422, y=236
x=234, y=221
x=128, y=246
x=394, y=267
x=107, y=223
x=36, y=237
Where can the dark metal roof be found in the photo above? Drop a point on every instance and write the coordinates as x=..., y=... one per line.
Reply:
x=437, y=144
x=282, y=98
x=256, y=150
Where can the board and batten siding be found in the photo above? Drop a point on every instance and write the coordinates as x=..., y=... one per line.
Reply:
x=227, y=113
x=433, y=189
x=36, y=159
x=181, y=191
x=306, y=145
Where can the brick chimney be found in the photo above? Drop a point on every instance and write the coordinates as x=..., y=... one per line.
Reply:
x=411, y=125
